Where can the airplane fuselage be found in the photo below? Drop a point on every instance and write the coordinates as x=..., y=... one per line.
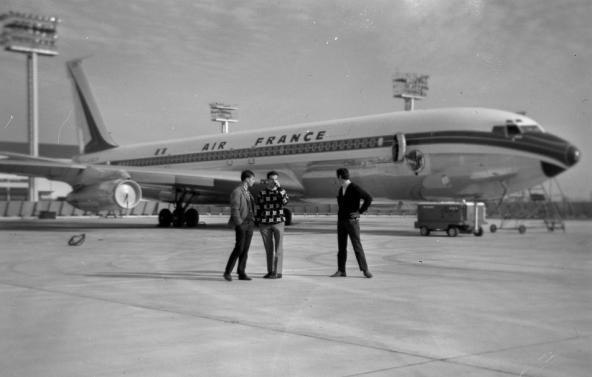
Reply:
x=468, y=153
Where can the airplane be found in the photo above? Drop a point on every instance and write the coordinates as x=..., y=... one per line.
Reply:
x=435, y=154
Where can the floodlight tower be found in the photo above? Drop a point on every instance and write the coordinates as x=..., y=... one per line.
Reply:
x=223, y=114
x=33, y=35
x=410, y=87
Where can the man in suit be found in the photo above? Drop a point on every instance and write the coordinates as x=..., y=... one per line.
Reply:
x=242, y=217
x=348, y=222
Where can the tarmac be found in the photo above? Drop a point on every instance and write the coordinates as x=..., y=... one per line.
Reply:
x=132, y=299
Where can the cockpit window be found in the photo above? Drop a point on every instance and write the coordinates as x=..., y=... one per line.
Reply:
x=499, y=130
x=509, y=130
x=513, y=130
x=532, y=129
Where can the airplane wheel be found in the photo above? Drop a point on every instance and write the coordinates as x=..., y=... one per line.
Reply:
x=165, y=218
x=551, y=226
x=424, y=231
x=493, y=228
x=478, y=232
x=191, y=218
x=521, y=229
x=452, y=231
x=178, y=218
x=288, y=216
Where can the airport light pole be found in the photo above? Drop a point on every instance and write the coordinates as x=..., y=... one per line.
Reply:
x=32, y=35
x=410, y=87
x=223, y=114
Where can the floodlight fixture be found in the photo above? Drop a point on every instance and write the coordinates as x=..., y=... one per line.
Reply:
x=410, y=87
x=224, y=114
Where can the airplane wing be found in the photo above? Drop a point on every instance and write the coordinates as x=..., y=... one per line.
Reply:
x=156, y=183
x=76, y=174
x=53, y=169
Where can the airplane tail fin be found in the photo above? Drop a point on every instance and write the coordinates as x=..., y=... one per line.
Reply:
x=95, y=137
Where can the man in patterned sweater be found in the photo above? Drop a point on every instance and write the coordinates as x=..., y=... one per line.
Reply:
x=270, y=216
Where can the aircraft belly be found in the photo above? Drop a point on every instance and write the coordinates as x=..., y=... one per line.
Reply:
x=479, y=176
x=443, y=176
x=380, y=179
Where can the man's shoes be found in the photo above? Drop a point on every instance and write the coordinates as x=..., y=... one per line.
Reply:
x=269, y=275
x=367, y=274
x=227, y=276
x=338, y=274
x=243, y=277
x=278, y=276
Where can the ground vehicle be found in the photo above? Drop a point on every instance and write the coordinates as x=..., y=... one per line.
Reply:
x=452, y=217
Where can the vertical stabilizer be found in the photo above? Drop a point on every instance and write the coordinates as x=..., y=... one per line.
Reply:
x=95, y=137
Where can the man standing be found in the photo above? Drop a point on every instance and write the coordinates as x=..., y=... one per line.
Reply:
x=270, y=215
x=348, y=221
x=242, y=217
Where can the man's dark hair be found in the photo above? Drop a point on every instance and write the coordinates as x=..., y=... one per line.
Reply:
x=246, y=174
x=272, y=173
x=343, y=173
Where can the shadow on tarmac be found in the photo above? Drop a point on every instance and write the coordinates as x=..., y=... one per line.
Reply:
x=195, y=275
x=166, y=275
x=376, y=232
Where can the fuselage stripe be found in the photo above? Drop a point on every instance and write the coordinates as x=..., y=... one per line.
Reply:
x=265, y=151
x=542, y=144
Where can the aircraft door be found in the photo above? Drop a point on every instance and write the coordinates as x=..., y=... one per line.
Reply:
x=399, y=148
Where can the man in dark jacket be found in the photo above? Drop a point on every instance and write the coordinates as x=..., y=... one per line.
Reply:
x=348, y=222
x=242, y=217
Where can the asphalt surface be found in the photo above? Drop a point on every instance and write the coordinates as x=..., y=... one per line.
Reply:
x=136, y=300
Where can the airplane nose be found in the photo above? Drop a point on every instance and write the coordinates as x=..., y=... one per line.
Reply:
x=572, y=156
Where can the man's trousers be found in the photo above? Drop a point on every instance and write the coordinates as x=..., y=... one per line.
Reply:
x=351, y=228
x=273, y=240
x=243, y=235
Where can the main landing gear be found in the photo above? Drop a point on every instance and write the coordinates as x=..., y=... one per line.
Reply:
x=181, y=215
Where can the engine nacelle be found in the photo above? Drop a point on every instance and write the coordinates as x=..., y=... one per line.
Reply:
x=108, y=195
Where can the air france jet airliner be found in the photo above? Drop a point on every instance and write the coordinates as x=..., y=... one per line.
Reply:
x=439, y=154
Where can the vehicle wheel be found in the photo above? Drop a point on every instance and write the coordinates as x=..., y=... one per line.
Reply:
x=478, y=232
x=191, y=218
x=452, y=231
x=521, y=229
x=424, y=231
x=288, y=216
x=493, y=228
x=165, y=217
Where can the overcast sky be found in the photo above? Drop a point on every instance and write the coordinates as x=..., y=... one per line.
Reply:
x=155, y=65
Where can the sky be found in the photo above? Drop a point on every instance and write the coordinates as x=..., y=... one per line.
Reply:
x=156, y=65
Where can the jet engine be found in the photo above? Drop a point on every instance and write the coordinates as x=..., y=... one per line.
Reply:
x=108, y=195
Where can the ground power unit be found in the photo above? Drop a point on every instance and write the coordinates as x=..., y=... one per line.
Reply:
x=451, y=217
